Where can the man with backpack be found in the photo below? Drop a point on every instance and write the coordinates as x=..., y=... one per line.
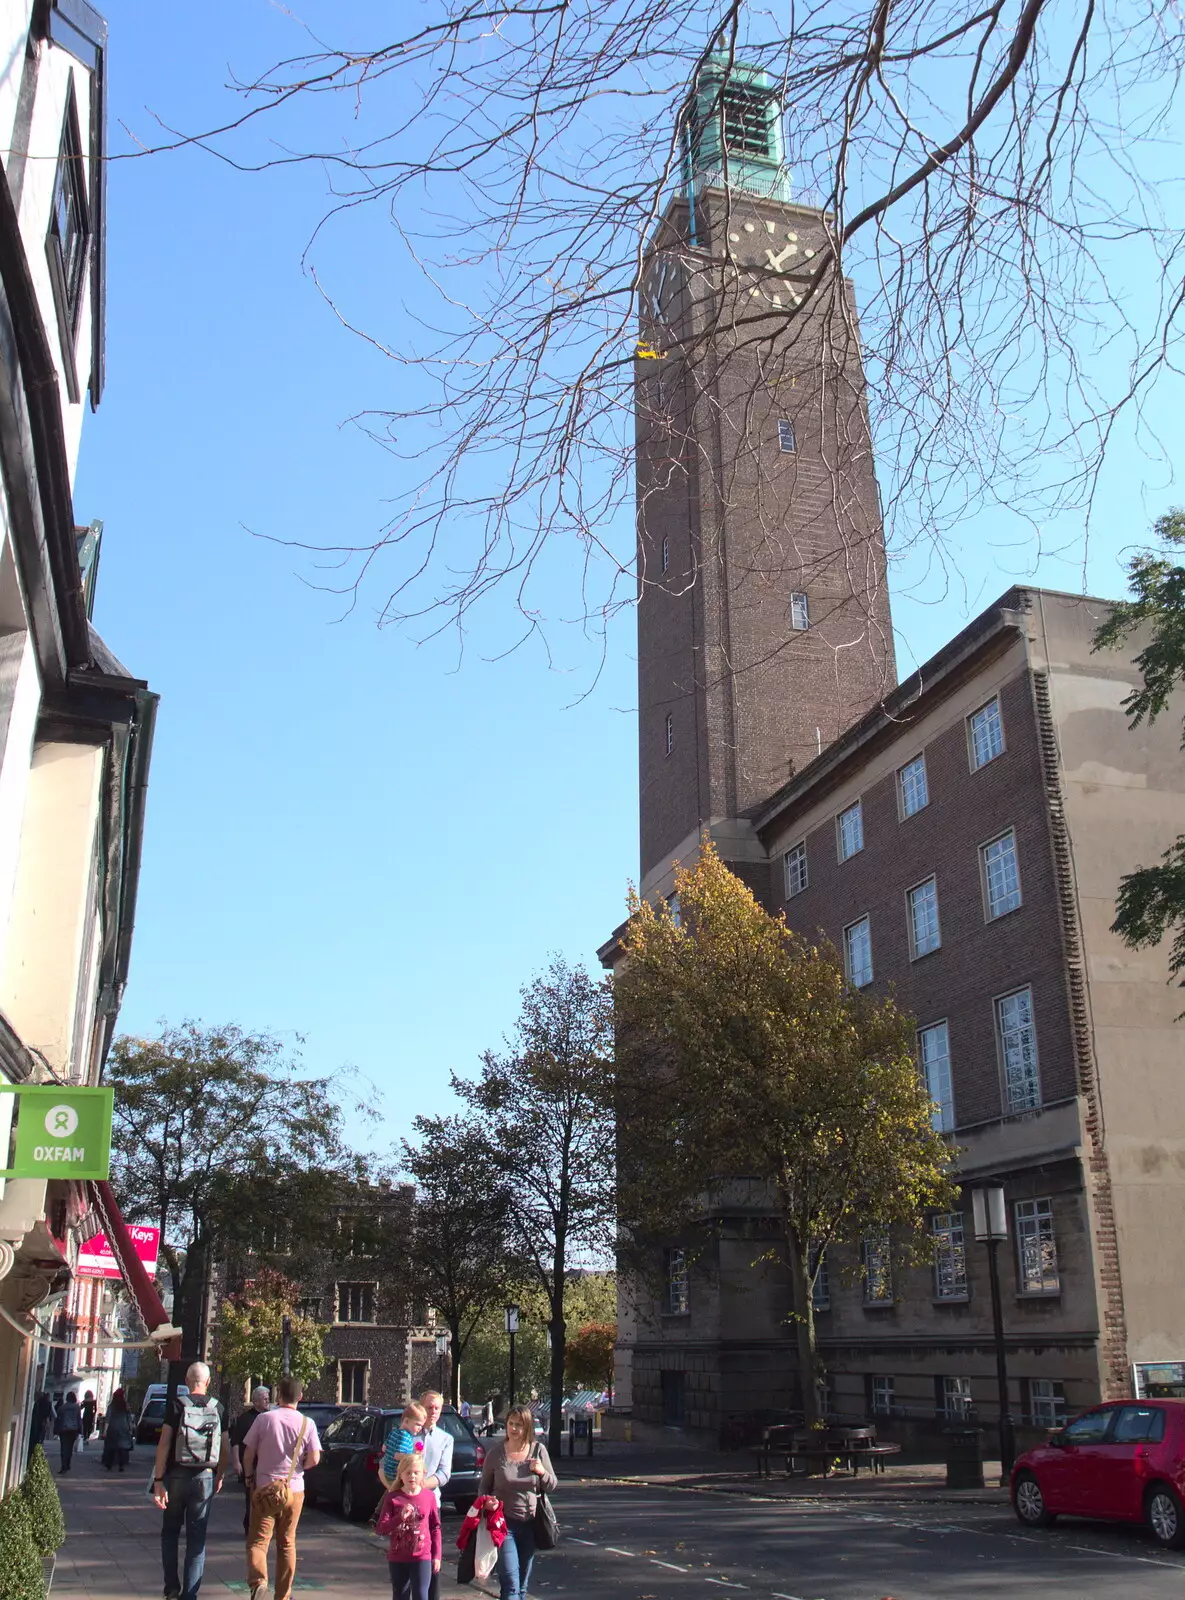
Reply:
x=191, y=1461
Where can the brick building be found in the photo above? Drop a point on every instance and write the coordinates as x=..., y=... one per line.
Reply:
x=959, y=837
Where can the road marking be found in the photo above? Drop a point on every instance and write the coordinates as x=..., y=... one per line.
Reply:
x=575, y=1540
x=727, y=1583
x=614, y=1551
x=670, y=1566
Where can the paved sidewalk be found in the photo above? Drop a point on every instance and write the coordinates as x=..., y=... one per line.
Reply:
x=112, y=1549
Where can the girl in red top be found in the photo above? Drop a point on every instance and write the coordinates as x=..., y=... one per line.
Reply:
x=413, y=1521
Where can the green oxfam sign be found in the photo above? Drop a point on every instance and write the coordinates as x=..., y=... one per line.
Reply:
x=60, y=1132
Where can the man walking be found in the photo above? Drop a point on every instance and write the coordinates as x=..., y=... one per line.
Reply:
x=438, y=1459
x=278, y=1447
x=69, y=1426
x=260, y=1400
x=191, y=1461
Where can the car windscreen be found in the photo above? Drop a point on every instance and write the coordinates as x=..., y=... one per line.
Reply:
x=154, y=1411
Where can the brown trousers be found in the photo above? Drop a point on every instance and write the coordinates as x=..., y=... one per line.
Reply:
x=259, y=1538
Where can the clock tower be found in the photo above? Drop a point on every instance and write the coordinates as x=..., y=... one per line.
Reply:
x=763, y=622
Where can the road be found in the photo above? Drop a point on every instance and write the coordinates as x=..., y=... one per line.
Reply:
x=623, y=1543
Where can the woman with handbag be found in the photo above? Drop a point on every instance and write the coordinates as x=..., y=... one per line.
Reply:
x=519, y=1472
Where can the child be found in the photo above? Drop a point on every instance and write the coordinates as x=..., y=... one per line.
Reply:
x=403, y=1440
x=411, y=1518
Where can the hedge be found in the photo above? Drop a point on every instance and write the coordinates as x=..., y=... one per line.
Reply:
x=22, y=1572
x=45, y=1504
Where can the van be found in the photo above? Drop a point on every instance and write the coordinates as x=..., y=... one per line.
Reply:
x=158, y=1391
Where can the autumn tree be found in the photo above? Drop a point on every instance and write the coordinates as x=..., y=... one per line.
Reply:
x=745, y=1054
x=462, y=1249
x=588, y=1360
x=251, y=1333
x=546, y=1104
x=1151, y=901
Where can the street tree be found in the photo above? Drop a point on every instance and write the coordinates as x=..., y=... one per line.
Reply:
x=744, y=1054
x=217, y=1139
x=251, y=1333
x=588, y=1360
x=982, y=175
x=462, y=1250
x=546, y=1103
x=1151, y=901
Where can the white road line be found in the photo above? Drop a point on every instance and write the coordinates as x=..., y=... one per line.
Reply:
x=670, y=1566
x=574, y=1540
x=614, y=1551
x=727, y=1583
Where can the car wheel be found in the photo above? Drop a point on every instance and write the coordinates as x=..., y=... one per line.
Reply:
x=1029, y=1503
x=350, y=1507
x=462, y=1505
x=1166, y=1516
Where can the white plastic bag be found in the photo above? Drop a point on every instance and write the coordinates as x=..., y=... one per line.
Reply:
x=486, y=1556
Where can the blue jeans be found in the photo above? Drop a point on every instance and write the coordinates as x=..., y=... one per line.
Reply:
x=410, y=1580
x=190, y=1494
x=515, y=1557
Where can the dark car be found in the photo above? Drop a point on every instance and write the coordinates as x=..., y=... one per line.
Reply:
x=1124, y=1462
x=347, y=1474
x=152, y=1420
x=320, y=1412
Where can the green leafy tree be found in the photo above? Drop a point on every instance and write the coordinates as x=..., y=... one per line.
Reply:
x=547, y=1107
x=216, y=1137
x=743, y=1053
x=462, y=1250
x=487, y=1361
x=1151, y=901
x=45, y=1505
x=251, y=1333
x=22, y=1576
x=588, y=1360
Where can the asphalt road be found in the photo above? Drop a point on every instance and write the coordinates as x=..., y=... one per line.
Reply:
x=624, y=1543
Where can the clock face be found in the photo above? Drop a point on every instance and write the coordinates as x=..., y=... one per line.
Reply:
x=659, y=287
x=781, y=253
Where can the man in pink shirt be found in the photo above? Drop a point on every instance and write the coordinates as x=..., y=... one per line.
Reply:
x=279, y=1445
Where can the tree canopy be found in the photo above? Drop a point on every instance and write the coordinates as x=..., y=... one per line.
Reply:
x=744, y=1053
x=251, y=1333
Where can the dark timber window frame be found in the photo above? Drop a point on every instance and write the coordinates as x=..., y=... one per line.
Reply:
x=68, y=239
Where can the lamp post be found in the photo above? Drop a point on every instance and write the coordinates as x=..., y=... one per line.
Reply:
x=990, y=1217
x=441, y=1352
x=511, y=1330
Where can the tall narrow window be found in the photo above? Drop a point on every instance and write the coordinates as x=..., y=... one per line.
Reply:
x=1047, y=1403
x=794, y=870
x=881, y=1396
x=1001, y=876
x=821, y=1288
x=924, y=934
x=800, y=613
x=934, y=1057
x=666, y=554
x=850, y=831
x=912, y=788
x=67, y=243
x=1036, y=1247
x=956, y=1398
x=669, y=734
x=986, y=734
x=950, y=1256
x=1018, y=1050
x=786, y=437
x=355, y=1302
x=678, y=1296
x=878, y=1269
x=353, y=1381
x=857, y=953
x=674, y=909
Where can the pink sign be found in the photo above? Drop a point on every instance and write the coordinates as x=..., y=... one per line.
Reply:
x=96, y=1259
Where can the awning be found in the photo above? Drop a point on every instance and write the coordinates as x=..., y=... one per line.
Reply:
x=140, y=1285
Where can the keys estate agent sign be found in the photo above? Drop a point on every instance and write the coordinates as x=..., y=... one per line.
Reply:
x=96, y=1259
x=60, y=1132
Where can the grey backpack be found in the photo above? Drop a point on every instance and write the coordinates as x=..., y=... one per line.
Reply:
x=199, y=1432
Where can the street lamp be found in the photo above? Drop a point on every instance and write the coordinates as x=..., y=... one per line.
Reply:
x=441, y=1352
x=990, y=1217
x=511, y=1330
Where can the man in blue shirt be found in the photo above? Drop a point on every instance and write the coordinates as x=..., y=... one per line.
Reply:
x=438, y=1458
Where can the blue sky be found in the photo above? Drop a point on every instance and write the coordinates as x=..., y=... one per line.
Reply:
x=351, y=838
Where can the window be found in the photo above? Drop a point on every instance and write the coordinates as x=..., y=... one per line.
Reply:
x=673, y=907
x=850, y=831
x=794, y=869
x=1001, y=877
x=1138, y=1425
x=1047, y=1403
x=1091, y=1428
x=666, y=554
x=670, y=733
x=786, y=437
x=923, y=919
x=67, y=243
x=821, y=1288
x=678, y=1287
x=878, y=1269
x=274, y=1237
x=956, y=1399
x=800, y=613
x=353, y=1381
x=857, y=953
x=1036, y=1247
x=880, y=1401
x=934, y=1055
x=1018, y=1050
x=950, y=1256
x=309, y=1306
x=355, y=1302
x=912, y=788
x=986, y=734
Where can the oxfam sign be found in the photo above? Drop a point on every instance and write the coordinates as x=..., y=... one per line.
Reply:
x=60, y=1132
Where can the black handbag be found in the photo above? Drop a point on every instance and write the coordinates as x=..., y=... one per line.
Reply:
x=547, y=1527
x=467, y=1565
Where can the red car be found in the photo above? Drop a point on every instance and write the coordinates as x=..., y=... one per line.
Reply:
x=1124, y=1461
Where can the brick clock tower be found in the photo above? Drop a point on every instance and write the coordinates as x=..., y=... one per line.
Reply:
x=763, y=622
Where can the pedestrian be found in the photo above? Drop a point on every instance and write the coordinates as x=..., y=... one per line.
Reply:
x=261, y=1399
x=278, y=1447
x=69, y=1426
x=516, y=1470
x=117, y=1439
x=42, y=1424
x=411, y=1517
x=191, y=1462
x=405, y=1437
x=466, y=1410
x=88, y=1417
x=438, y=1459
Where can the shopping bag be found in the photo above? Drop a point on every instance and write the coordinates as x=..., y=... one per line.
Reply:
x=485, y=1553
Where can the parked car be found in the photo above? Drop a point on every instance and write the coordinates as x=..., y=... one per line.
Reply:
x=158, y=1391
x=152, y=1420
x=320, y=1412
x=1124, y=1461
x=347, y=1474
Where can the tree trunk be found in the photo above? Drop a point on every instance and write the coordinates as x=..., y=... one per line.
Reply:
x=804, y=1324
x=558, y=1340
x=454, y=1375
